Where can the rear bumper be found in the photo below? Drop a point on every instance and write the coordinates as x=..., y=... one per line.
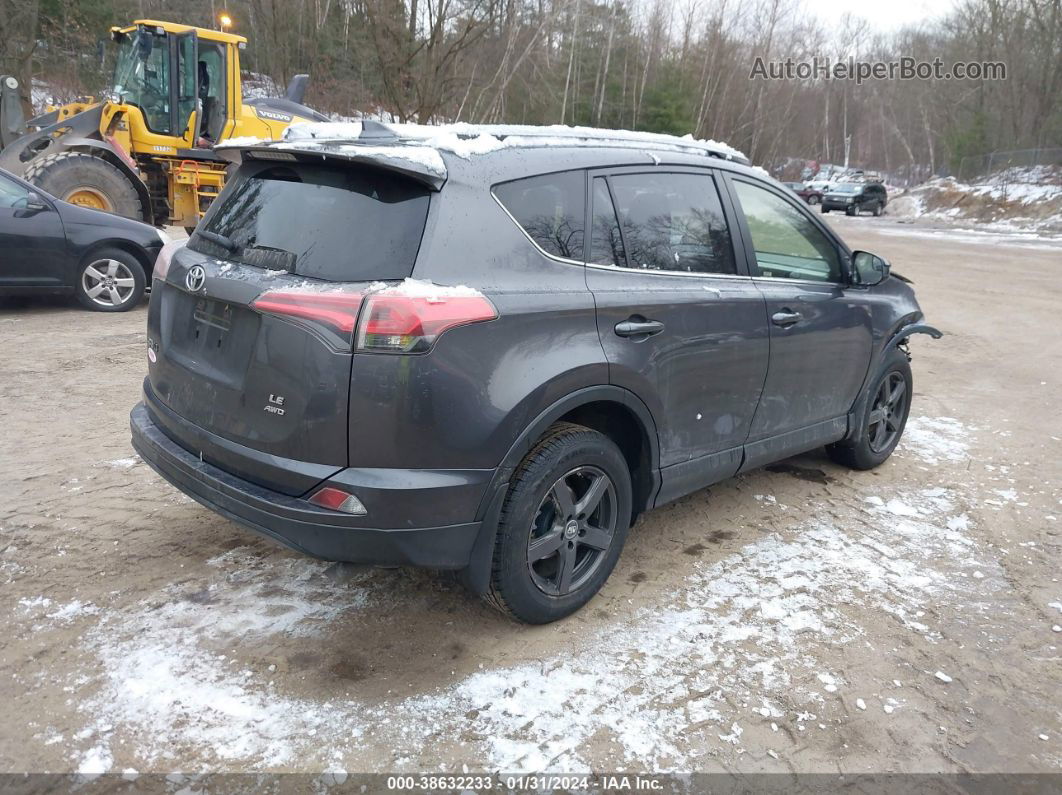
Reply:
x=294, y=522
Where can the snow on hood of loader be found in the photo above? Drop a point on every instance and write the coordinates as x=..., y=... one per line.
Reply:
x=416, y=148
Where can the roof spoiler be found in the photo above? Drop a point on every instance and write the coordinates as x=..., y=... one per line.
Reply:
x=421, y=163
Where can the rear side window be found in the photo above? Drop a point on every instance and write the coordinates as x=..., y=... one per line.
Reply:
x=673, y=222
x=550, y=209
x=336, y=223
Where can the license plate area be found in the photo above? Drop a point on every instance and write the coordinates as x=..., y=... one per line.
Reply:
x=214, y=339
x=212, y=315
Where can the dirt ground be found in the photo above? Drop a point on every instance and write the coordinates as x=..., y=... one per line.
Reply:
x=802, y=618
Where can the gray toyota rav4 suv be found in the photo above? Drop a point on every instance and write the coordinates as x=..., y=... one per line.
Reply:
x=488, y=349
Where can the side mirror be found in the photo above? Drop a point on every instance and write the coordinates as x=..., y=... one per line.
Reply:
x=35, y=202
x=869, y=269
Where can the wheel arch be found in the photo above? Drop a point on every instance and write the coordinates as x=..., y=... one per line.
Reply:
x=129, y=247
x=611, y=410
x=901, y=331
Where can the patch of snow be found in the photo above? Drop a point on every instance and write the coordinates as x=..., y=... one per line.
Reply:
x=72, y=610
x=943, y=677
x=421, y=288
x=750, y=628
x=861, y=704
x=95, y=763
x=935, y=439
x=123, y=463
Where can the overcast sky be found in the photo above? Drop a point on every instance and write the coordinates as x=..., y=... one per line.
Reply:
x=882, y=14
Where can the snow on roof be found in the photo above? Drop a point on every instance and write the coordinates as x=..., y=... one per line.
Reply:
x=466, y=140
x=415, y=148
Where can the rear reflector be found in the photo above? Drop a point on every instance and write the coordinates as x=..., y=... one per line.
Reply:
x=336, y=500
x=397, y=323
x=333, y=315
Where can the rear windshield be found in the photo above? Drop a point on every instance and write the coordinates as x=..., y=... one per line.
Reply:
x=336, y=223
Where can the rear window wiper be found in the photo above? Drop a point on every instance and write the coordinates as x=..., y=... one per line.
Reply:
x=221, y=240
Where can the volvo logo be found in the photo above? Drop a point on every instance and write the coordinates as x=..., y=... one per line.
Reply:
x=195, y=278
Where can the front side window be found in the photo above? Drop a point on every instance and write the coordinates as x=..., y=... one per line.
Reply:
x=787, y=242
x=673, y=222
x=550, y=209
x=12, y=195
x=142, y=77
x=353, y=223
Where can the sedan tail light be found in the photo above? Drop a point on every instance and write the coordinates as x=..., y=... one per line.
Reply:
x=162, y=262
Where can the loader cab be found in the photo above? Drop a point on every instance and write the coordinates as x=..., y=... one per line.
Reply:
x=181, y=79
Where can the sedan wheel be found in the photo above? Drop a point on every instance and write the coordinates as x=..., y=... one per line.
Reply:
x=108, y=282
x=572, y=530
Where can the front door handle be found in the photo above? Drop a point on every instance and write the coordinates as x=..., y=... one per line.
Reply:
x=638, y=327
x=785, y=318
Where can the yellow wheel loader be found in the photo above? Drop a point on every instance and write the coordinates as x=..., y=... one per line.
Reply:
x=146, y=150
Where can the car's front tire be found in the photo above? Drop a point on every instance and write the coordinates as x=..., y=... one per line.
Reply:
x=825, y=209
x=851, y=209
x=882, y=418
x=813, y=200
x=109, y=280
x=562, y=526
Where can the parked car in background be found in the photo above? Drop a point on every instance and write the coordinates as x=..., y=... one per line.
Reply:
x=50, y=246
x=856, y=197
x=404, y=347
x=810, y=195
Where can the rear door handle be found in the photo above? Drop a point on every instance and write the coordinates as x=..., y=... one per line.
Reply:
x=639, y=328
x=785, y=318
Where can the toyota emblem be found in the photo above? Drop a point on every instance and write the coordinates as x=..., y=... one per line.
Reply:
x=195, y=278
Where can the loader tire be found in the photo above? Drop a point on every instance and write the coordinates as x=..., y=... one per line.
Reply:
x=87, y=181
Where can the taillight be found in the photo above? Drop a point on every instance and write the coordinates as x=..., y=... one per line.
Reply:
x=333, y=315
x=162, y=262
x=406, y=318
x=336, y=500
x=395, y=322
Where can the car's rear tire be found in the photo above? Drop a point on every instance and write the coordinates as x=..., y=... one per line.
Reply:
x=88, y=181
x=109, y=280
x=813, y=200
x=882, y=418
x=562, y=526
x=878, y=208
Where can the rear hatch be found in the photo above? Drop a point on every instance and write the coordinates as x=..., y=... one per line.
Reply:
x=251, y=330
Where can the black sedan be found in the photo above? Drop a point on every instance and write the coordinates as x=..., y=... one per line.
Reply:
x=51, y=246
